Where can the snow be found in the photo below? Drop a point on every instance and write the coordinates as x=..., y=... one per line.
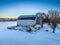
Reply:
x=16, y=37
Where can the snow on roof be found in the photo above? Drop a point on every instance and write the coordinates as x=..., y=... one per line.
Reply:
x=27, y=17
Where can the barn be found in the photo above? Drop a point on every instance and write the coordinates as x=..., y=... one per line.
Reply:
x=26, y=20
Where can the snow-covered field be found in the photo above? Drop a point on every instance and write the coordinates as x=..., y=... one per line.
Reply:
x=16, y=37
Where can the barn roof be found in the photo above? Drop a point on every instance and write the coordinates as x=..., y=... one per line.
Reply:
x=27, y=17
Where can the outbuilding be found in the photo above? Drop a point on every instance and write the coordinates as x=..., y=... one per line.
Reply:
x=26, y=20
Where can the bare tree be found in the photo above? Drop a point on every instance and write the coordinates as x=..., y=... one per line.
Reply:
x=53, y=19
x=40, y=17
x=54, y=25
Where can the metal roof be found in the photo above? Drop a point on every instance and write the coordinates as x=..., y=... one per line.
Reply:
x=27, y=17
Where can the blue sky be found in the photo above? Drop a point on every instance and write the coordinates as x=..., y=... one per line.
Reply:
x=15, y=8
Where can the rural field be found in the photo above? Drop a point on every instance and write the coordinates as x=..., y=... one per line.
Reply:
x=16, y=37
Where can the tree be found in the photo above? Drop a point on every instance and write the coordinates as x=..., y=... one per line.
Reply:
x=40, y=17
x=54, y=25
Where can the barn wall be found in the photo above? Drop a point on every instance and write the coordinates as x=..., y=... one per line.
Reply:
x=26, y=22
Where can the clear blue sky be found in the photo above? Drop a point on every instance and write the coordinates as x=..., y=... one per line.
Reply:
x=14, y=8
